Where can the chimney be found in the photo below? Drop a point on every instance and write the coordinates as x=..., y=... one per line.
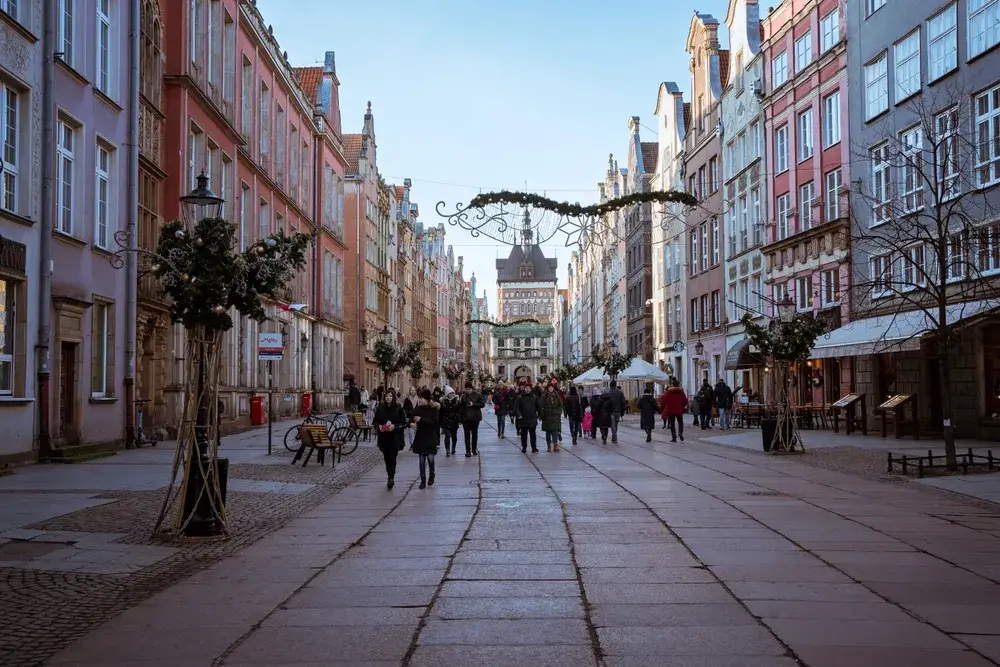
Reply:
x=330, y=63
x=633, y=125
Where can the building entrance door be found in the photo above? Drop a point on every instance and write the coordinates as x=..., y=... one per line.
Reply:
x=67, y=390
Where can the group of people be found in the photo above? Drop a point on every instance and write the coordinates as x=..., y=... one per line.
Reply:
x=421, y=419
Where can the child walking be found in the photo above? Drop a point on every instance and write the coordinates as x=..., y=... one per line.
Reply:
x=588, y=422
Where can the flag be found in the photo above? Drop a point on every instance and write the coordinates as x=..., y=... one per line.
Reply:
x=295, y=306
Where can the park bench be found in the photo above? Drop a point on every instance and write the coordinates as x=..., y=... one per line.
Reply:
x=316, y=438
x=361, y=428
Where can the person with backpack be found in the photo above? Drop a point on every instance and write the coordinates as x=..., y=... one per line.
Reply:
x=675, y=402
x=472, y=414
x=647, y=413
x=574, y=412
x=451, y=417
x=706, y=398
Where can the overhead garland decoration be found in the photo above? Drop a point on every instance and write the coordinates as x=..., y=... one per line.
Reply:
x=577, y=210
x=503, y=325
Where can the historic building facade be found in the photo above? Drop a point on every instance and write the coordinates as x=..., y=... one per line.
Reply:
x=669, y=236
x=745, y=191
x=706, y=222
x=21, y=220
x=808, y=244
x=642, y=157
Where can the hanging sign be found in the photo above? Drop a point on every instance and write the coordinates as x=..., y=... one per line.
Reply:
x=270, y=346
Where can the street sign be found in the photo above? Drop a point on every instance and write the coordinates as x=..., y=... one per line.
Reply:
x=270, y=346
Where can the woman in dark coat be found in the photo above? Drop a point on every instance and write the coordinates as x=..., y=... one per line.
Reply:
x=426, y=421
x=574, y=412
x=601, y=408
x=647, y=413
x=390, y=420
x=527, y=408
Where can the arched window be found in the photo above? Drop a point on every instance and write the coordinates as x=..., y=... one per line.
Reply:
x=151, y=61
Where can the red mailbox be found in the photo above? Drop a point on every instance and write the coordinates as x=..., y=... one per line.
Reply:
x=306, y=404
x=257, y=416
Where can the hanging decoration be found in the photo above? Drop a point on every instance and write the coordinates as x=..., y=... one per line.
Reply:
x=503, y=325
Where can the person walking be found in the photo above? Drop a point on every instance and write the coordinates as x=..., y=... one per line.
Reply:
x=674, y=406
x=390, y=420
x=662, y=404
x=451, y=416
x=596, y=407
x=353, y=398
x=426, y=422
x=723, y=401
x=363, y=404
x=647, y=413
x=499, y=398
x=617, y=399
x=603, y=415
x=527, y=408
x=552, y=409
x=472, y=414
x=508, y=403
x=706, y=397
x=574, y=412
x=587, y=423
x=409, y=403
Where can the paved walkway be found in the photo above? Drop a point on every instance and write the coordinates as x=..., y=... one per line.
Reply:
x=665, y=555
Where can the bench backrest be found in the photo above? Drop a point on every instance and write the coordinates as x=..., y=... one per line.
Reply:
x=358, y=419
x=315, y=435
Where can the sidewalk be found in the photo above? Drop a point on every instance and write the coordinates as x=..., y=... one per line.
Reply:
x=664, y=555
x=76, y=545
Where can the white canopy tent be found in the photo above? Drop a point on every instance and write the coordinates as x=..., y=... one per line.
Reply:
x=642, y=370
x=592, y=376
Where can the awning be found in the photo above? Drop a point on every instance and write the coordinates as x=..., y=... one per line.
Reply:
x=740, y=356
x=898, y=332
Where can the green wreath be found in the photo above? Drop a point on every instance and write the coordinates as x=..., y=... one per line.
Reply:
x=576, y=210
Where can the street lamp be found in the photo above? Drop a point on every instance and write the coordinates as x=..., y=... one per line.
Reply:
x=384, y=334
x=786, y=309
x=202, y=196
x=699, y=348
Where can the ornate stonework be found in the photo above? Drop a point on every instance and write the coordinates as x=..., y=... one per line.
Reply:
x=22, y=60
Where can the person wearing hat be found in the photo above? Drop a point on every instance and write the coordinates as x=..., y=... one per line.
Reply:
x=451, y=417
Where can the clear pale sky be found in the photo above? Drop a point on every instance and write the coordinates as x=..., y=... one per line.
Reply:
x=473, y=95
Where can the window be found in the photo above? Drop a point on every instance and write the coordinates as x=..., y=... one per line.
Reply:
x=804, y=293
x=64, y=165
x=246, y=214
x=781, y=206
x=755, y=213
x=102, y=196
x=704, y=247
x=228, y=63
x=914, y=267
x=988, y=248
x=695, y=321
x=779, y=70
x=753, y=140
x=831, y=119
x=9, y=134
x=713, y=169
x=881, y=178
x=100, y=341
x=987, y=110
x=715, y=242
x=226, y=187
x=984, y=26
x=64, y=31
x=942, y=44
x=946, y=126
x=778, y=292
x=781, y=149
x=830, y=286
x=246, y=95
x=874, y=5
x=958, y=256
x=694, y=252
x=879, y=268
x=876, y=87
x=833, y=183
x=702, y=181
x=279, y=147
x=104, y=46
x=8, y=330
x=829, y=29
x=803, y=52
x=11, y=8
x=906, y=55
x=265, y=125
x=703, y=307
x=911, y=184
x=807, y=193
x=677, y=259
x=805, y=135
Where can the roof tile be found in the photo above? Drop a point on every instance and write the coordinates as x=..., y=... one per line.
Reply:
x=650, y=151
x=352, y=150
x=309, y=78
x=724, y=67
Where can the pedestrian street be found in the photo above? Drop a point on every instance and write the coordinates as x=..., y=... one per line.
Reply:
x=658, y=554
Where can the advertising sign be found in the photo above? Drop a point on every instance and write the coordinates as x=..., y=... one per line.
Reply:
x=270, y=346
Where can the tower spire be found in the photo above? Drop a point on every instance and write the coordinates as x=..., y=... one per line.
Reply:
x=526, y=234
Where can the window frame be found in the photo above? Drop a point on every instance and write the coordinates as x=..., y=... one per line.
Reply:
x=804, y=288
x=983, y=11
x=947, y=64
x=832, y=194
x=100, y=389
x=805, y=213
x=805, y=145
x=65, y=164
x=781, y=149
x=830, y=110
x=9, y=188
x=66, y=31
x=103, y=177
x=901, y=60
x=880, y=79
x=779, y=63
x=911, y=169
x=989, y=119
x=829, y=37
x=830, y=297
x=782, y=214
x=881, y=183
x=803, y=51
x=10, y=315
x=104, y=46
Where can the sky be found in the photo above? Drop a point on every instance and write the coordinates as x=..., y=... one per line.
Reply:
x=481, y=95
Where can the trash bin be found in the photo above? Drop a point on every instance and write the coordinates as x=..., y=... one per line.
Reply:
x=257, y=416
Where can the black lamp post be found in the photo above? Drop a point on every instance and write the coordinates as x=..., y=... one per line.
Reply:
x=699, y=348
x=202, y=520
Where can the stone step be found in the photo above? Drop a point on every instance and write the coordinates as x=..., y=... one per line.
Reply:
x=82, y=453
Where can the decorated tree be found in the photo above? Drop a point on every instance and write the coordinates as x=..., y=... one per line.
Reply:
x=611, y=359
x=392, y=359
x=784, y=342
x=417, y=368
x=206, y=278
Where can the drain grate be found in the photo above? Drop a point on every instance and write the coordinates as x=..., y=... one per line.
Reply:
x=490, y=481
x=769, y=494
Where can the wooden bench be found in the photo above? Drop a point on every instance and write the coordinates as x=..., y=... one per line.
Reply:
x=316, y=438
x=362, y=428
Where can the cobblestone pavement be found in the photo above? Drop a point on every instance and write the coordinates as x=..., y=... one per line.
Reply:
x=63, y=576
x=621, y=555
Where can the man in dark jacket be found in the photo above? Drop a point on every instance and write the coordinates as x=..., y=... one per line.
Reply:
x=527, y=409
x=574, y=412
x=647, y=413
x=451, y=417
x=617, y=408
x=596, y=402
x=500, y=407
x=723, y=401
x=706, y=397
x=472, y=413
